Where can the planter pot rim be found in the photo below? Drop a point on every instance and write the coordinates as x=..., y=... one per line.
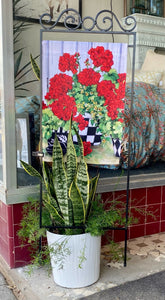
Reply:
x=69, y=235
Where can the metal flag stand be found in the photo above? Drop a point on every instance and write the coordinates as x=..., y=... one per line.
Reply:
x=102, y=24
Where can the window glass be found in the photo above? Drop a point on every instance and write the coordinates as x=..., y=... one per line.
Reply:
x=1, y=84
x=1, y=163
x=1, y=157
x=27, y=91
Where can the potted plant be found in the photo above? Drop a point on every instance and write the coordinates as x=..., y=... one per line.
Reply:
x=69, y=198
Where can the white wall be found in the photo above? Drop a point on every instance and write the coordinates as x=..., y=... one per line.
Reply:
x=92, y=7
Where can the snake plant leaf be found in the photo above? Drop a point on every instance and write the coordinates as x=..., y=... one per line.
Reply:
x=35, y=67
x=93, y=186
x=77, y=203
x=53, y=209
x=28, y=64
x=92, y=192
x=30, y=170
x=82, y=181
x=60, y=179
x=71, y=160
x=48, y=180
x=82, y=177
x=80, y=143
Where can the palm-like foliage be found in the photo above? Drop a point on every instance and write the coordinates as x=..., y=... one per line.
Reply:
x=69, y=190
x=20, y=71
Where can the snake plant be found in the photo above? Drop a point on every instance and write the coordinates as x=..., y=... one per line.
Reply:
x=69, y=192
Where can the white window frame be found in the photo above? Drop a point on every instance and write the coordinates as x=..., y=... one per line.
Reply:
x=9, y=193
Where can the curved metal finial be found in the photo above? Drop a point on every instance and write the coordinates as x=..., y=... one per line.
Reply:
x=130, y=21
x=88, y=27
x=71, y=18
x=110, y=19
x=104, y=21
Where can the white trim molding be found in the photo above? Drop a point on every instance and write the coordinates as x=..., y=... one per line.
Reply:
x=150, y=34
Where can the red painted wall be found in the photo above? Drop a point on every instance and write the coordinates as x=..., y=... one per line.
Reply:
x=147, y=199
x=10, y=246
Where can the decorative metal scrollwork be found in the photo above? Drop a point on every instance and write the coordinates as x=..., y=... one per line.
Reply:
x=130, y=21
x=70, y=18
x=104, y=21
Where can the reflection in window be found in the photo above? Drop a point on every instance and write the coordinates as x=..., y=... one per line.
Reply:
x=27, y=136
x=1, y=162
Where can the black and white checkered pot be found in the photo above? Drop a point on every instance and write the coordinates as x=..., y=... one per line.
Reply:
x=89, y=134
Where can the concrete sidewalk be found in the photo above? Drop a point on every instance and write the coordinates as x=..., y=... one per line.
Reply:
x=146, y=256
x=6, y=290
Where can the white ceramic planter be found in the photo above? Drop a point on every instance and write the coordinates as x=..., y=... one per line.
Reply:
x=78, y=265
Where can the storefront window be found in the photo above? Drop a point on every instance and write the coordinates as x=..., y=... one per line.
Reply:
x=27, y=119
x=27, y=100
x=1, y=87
x=1, y=165
x=149, y=7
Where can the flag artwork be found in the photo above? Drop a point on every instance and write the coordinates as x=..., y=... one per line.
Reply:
x=85, y=80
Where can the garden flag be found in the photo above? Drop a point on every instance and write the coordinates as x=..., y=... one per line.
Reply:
x=85, y=80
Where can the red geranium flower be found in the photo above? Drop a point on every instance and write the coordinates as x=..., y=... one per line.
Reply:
x=44, y=106
x=82, y=123
x=68, y=62
x=59, y=85
x=113, y=104
x=101, y=58
x=87, y=148
x=86, y=62
x=122, y=84
x=88, y=77
x=122, y=77
x=121, y=120
x=64, y=107
x=105, y=88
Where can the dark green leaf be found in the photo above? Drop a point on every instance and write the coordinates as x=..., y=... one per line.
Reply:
x=35, y=67
x=17, y=64
x=30, y=170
